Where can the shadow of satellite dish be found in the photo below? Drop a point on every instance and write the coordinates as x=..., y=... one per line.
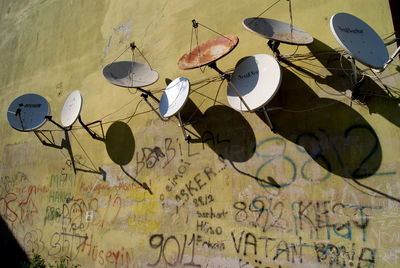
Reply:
x=227, y=133
x=334, y=135
x=120, y=143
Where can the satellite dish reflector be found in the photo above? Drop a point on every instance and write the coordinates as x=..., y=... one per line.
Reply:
x=257, y=79
x=277, y=31
x=174, y=97
x=71, y=109
x=28, y=112
x=359, y=40
x=208, y=52
x=130, y=74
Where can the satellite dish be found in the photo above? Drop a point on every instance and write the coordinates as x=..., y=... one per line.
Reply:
x=257, y=79
x=71, y=109
x=208, y=52
x=28, y=112
x=174, y=97
x=359, y=40
x=277, y=31
x=130, y=74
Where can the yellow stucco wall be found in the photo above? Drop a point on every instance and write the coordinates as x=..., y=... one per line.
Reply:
x=336, y=162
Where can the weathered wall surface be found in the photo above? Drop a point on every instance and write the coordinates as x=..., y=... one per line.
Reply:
x=321, y=190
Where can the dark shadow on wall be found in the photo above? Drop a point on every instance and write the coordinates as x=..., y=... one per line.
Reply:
x=227, y=133
x=48, y=140
x=338, y=138
x=190, y=113
x=378, y=100
x=120, y=145
x=11, y=253
x=334, y=135
x=78, y=165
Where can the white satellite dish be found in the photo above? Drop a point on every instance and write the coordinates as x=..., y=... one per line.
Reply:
x=130, y=74
x=71, y=109
x=359, y=40
x=28, y=112
x=256, y=79
x=174, y=97
x=277, y=31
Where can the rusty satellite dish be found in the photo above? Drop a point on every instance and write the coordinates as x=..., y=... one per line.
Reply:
x=71, y=109
x=130, y=74
x=277, y=31
x=359, y=40
x=208, y=52
x=257, y=79
x=28, y=112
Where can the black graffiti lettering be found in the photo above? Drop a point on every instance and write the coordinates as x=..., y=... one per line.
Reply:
x=200, y=201
x=302, y=214
x=183, y=193
x=198, y=181
x=205, y=139
x=367, y=256
x=52, y=213
x=66, y=243
x=176, y=258
x=346, y=255
x=171, y=251
x=33, y=241
x=189, y=151
x=333, y=252
x=170, y=152
x=250, y=242
x=239, y=244
x=208, y=171
x=140, y=164
x=156, y=241
x=282, y=248
x=204, y=226
x=182, y=169
x=190, y=188
x=266, y=243
x=322, y=217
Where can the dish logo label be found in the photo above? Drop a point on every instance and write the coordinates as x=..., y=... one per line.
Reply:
x=33, y=105
x=348, y=30
x=248, y=75
x=29, y=105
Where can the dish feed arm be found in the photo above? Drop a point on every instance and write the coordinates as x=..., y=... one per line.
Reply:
x=392, y=57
